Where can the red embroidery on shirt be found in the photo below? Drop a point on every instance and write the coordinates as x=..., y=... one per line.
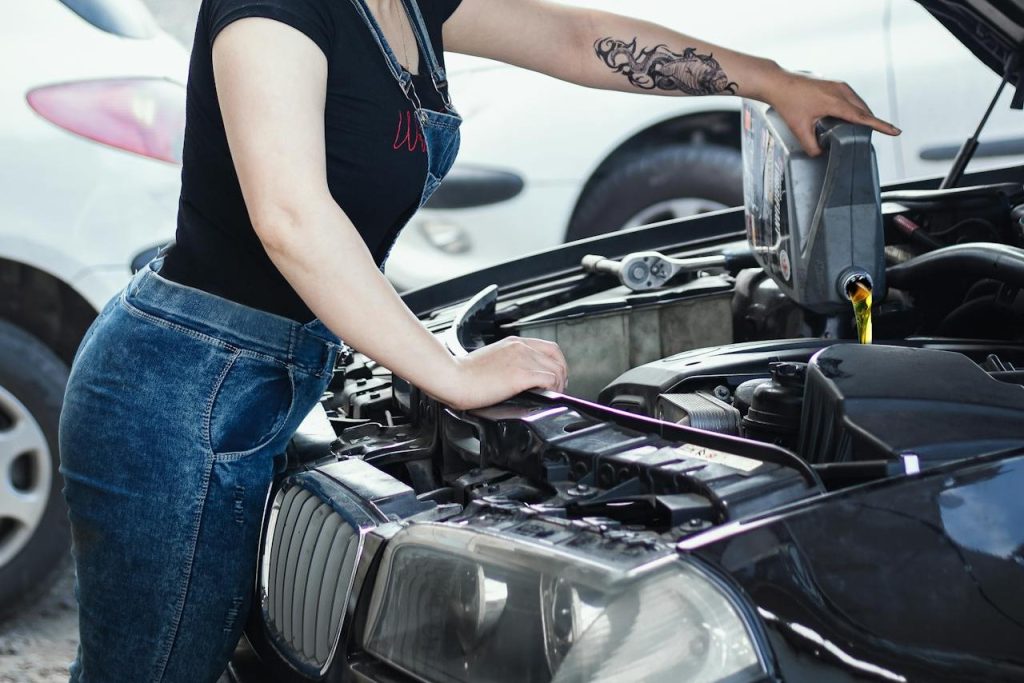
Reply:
x=409, y=135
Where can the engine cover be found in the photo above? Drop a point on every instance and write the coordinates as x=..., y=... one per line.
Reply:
x=639, y=390
x=881, y=402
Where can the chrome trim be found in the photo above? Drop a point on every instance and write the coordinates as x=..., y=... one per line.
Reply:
x=360, y=515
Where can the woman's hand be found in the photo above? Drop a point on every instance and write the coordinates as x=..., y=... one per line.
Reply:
x=502, y=370
x=803, y=100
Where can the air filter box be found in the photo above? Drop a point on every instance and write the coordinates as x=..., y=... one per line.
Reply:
x=881, y=402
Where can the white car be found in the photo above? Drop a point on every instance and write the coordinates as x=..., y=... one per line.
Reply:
x=92, y=104
x=543, y=161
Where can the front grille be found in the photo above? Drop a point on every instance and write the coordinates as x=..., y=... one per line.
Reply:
x=310, y=557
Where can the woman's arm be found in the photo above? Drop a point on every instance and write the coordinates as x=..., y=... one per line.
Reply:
x=271, y=83
x=612, y=52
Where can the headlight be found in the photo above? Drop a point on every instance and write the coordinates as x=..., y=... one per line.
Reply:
x=457, y=604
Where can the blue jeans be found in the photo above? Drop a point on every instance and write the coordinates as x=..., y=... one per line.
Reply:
x=178, y=408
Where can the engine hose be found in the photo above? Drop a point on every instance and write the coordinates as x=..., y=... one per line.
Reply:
x=976, y=260
x=979, y=318
x=912, y=230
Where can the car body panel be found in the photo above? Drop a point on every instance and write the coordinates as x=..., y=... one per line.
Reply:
x=905, y=580
x=97, y=285
x=841, y=591
x=70, y=204
x=991, y=30
x=419, y=261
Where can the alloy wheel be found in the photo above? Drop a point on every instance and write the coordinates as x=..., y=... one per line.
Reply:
x=26, y=474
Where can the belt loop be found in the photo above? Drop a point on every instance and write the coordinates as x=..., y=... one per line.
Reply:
x=136, y=282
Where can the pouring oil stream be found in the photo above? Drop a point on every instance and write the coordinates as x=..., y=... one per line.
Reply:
x=859, y=291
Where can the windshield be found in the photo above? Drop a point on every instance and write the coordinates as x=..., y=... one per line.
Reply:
x=125, y=18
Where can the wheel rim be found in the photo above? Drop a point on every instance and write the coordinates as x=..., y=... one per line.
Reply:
x=672, y=209
x=26, y=473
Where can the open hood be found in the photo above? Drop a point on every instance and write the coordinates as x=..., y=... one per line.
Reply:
x=992, y=29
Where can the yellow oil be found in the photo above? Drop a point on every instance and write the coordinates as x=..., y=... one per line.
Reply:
x=860, y=296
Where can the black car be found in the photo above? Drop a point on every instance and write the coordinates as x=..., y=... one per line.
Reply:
x=736, y=490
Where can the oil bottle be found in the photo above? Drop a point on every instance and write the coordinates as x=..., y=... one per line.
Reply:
x=812, y=222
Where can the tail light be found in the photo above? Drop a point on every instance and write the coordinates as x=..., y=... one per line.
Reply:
x=141, y=115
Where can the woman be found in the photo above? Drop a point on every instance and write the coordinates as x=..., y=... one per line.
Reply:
x=315, y=129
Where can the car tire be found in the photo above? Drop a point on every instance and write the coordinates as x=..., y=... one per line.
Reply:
x=34, y=530
x=660, y=184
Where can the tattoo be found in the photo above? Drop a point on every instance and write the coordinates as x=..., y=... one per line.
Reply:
x=659, y=68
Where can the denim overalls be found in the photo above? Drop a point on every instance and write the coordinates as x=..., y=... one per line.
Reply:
x=440, y=129
x=177, y=410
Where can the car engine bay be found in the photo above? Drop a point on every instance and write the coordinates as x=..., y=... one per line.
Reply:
x=711, y=385
x=766, y=367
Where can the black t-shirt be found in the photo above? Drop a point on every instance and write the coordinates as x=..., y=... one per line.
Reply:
x=376, y=157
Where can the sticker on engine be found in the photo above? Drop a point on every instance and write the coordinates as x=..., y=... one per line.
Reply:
x=736, y=462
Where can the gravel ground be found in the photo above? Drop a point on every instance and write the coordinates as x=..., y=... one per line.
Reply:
x=38, y=646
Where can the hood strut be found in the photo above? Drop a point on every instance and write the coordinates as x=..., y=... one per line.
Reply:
x=966, y=153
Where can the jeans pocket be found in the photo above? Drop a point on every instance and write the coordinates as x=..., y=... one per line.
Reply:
x=250, y=405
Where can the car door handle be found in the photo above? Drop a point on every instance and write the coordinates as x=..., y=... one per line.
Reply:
x=994, y=148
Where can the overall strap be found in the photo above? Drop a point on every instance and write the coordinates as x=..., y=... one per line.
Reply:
x=437, y=73
x=401, y=75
